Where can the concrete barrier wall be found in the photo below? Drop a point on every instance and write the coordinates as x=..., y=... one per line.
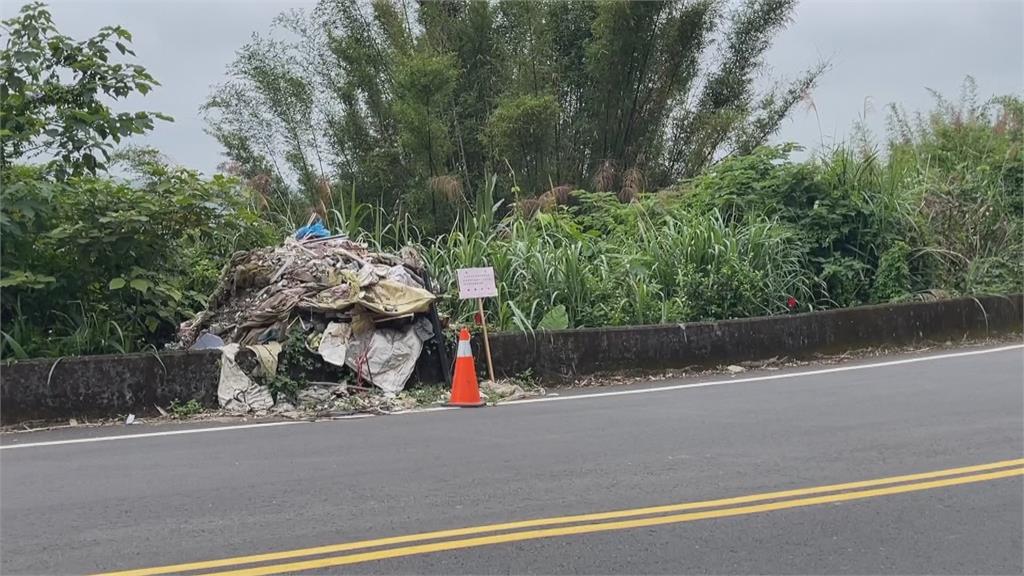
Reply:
x=111, y=385
x=566, y=354
x=106, y=385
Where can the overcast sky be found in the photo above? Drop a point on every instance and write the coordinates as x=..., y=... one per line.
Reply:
x=881, y=51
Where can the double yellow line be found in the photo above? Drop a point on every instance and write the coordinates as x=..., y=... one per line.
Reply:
x=586, y=523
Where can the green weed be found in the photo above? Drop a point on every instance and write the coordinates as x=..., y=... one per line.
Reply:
x=185, y=409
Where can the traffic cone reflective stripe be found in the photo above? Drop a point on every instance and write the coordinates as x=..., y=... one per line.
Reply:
x=465, y=390
x=464, y=351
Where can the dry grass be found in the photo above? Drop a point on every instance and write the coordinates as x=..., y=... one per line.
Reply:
x=633, y=184
x=562, y=194
x=448, y=186
x=527, y=207
x=323, y=197
x=555, y=197
x=605, y=177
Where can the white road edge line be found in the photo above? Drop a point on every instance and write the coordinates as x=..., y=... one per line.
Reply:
x=148, y=435
x=552, y=398
x=763, y=378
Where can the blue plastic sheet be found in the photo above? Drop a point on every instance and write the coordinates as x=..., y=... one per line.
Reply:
x=314, y=230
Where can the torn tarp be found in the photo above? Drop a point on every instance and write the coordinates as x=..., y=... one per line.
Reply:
x=386, y=357
x=391, y=298
x=236, y=392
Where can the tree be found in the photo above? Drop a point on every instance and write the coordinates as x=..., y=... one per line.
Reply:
x=521, y=129
x=54, y=94
x=545, y=92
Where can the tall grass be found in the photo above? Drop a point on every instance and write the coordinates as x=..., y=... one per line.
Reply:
x=77, y=333
x=941, y=210
x=661, y=266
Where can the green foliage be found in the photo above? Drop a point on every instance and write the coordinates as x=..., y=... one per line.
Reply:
x=554, y=319
x=521, y=130
x=427, y=394
x=294, y=364
x=92, y=264
x=54, y=90
x=95, y=265
x=424, y=86
x=892, y=279
x=284, y=386
x=434, y=127
x=941, y=211
x=965, y=167
x=846, y=210
x=185, y=409
x=603, y=263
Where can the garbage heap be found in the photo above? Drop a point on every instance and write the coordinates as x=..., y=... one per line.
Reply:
x=352, y=308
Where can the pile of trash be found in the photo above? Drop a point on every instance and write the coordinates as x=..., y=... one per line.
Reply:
x=362, y=311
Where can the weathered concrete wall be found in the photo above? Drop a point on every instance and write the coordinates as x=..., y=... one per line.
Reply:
x=106, y=385
x=110, y=385
x=563, y=355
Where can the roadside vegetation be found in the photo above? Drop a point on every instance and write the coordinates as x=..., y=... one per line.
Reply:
x=937, y=211
x=595, y=192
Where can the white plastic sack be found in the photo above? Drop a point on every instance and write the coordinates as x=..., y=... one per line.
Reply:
x=235, y=391
x=207, y=341
x=334, y=343
x=387, y=356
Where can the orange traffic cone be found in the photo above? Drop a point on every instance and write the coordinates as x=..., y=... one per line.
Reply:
x=465, y=390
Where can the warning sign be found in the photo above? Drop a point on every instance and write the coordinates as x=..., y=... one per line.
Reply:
x=476, y=283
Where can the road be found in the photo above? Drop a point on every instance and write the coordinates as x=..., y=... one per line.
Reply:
x=953, y=423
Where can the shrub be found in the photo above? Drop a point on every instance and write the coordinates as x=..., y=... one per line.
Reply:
x=892, y=280
x=94, y=257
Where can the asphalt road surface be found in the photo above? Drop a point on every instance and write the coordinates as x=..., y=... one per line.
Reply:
x=908, y=464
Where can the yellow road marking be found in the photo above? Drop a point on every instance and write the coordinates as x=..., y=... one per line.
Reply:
x=607, y=526
x=611, y=515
